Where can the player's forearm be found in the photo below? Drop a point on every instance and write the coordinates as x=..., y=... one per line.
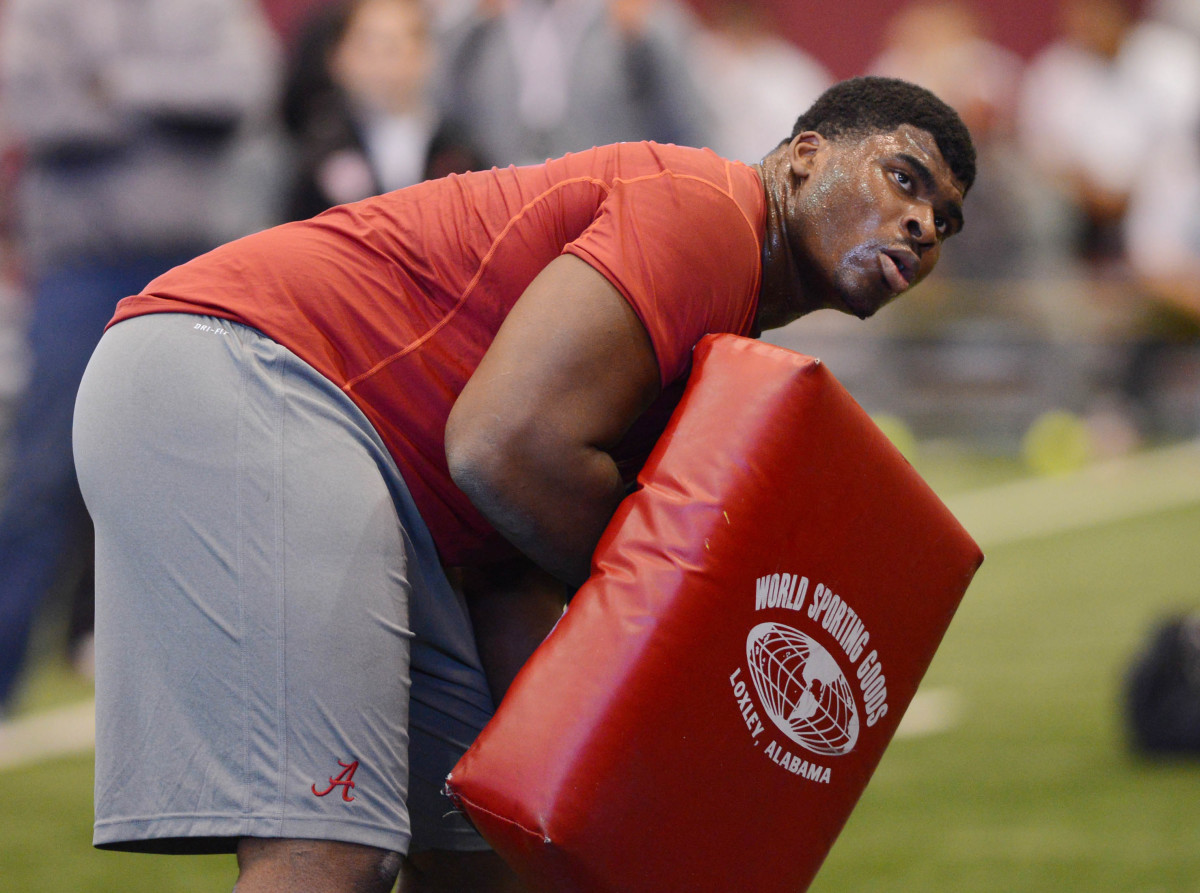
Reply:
x=552, y=504
x=569, y=371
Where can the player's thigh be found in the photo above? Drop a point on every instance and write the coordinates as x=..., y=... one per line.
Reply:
x=244, y=528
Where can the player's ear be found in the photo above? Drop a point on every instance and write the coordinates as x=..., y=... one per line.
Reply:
x=802, y=152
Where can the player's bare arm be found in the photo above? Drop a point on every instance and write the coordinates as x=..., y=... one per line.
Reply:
x=568, y=372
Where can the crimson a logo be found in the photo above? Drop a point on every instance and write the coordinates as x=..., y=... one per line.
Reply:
x=343, y=780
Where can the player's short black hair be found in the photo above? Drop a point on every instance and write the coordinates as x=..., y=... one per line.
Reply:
x=863, y=106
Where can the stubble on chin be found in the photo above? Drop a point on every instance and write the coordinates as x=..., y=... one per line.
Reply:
x=858, y=293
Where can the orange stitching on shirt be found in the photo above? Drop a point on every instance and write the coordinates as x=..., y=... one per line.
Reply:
x=752, y=310
x=727, y=192
x=349, y=385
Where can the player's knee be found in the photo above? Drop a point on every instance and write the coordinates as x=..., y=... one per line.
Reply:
x=322, y=866
x=384, y=870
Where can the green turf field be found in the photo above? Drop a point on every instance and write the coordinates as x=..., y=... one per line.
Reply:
x=1030, y=789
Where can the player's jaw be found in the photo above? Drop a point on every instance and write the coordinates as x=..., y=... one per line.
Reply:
x=873, y=274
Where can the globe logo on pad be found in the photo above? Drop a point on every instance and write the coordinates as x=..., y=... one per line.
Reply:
x=802, y=689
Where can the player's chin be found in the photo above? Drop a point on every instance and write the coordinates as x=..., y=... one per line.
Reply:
x=865, y=303
x=881, y=295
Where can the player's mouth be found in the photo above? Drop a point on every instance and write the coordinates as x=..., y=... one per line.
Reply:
x=899, y=268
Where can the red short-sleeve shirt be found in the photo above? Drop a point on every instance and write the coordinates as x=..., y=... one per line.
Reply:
x=397, y=297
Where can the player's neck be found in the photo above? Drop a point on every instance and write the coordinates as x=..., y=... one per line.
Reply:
x=782, y=293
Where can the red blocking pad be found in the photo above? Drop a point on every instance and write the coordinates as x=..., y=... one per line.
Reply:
x=759, y=615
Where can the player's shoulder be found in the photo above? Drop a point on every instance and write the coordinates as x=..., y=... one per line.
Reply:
x=630, y=160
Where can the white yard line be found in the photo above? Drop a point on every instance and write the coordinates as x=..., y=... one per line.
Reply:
x=930, y=712
x=61, y=732
x=1116, y=490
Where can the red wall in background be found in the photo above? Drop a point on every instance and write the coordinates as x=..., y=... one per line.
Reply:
x=847, y=34
x=287, y=15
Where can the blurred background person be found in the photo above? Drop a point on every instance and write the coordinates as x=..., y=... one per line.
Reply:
x=1162, y=236
x=752, y=79
x=358, y=102
x=1163, y=225
x=142, y=125
x=1098, y=106
x=540, y=78
x=1093, y=104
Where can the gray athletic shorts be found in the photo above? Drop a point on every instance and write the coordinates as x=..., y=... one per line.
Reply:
x=278, y=652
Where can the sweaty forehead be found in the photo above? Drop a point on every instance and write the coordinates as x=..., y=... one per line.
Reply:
x=920, y=145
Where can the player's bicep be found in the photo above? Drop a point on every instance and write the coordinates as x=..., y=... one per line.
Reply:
x=572, y=364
